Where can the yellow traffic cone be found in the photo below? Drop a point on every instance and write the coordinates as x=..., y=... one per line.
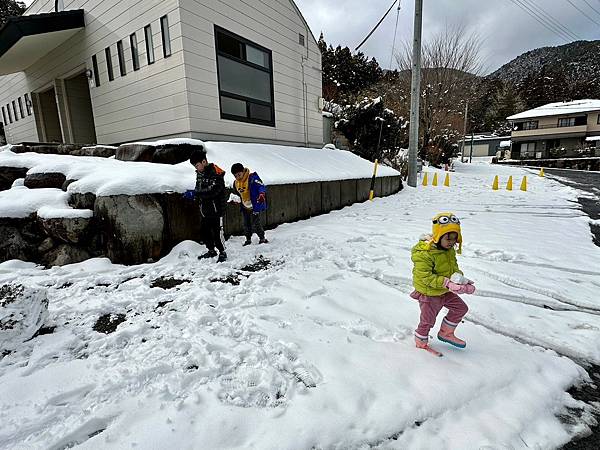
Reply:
x=434, y=182
x=425, y=179
x=495, y=184
x=509, y=184
x=447, y=180
x=542, y=174
x=524, y=184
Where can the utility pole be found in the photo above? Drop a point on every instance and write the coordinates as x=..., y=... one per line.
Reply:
x=415, y=95
x=462, y=148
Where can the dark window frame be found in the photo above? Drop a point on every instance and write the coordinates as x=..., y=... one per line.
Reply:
x=15, y=114
x=598, y=118
x=28, y=104
x=121, y=57
x=562, y=121
x=301, y=40
x=135, y=52
x=150, y=56
x=249, y=101
x=531, y=125
x=4, y=117
x=9, y=113
x=166, y=36
x=109, y=64
x=21, y=110
x=95, y=69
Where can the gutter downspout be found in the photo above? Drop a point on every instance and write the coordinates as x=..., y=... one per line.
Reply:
x=305, y=88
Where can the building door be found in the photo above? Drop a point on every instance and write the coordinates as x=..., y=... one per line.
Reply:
x=79, y=107
x=49, y=121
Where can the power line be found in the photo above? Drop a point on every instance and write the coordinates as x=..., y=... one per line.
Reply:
x=583, y=12
x=541, y=20
x=376, y=26
x=395, y=32
x=552, y=19
x=592, y=7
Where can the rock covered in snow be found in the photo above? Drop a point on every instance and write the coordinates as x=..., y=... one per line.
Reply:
x=45, y=180
x=23, y=311
x=8, y=175
x=167, y=153
x=67, y=229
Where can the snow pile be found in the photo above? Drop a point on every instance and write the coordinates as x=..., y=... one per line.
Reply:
x=23, y=311
x=307, y=342
x=20, y=202
x=593, y=138
x=557, y=109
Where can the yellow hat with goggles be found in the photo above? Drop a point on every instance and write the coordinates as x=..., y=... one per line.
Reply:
x=444, y=223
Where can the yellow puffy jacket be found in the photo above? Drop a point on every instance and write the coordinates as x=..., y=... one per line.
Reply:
x=431, y=266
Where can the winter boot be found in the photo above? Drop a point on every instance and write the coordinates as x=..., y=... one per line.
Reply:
x=222, y=257
x=446, y=334
x=247, y=242
x=263, y=241
x=423, y=344
x=208, y=254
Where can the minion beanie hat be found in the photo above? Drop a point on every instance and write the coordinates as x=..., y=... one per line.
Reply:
x=443, y=223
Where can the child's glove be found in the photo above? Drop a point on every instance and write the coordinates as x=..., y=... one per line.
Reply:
x=190, y=194
x=261, y=198
x=459, y=288
x=234, y=199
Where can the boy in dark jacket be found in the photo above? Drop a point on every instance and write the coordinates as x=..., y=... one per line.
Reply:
x=210, y=189
x=252, y=192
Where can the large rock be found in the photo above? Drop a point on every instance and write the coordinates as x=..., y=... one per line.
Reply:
x=67, y=229
x=9, y=174
x=23, y=311
x=82, y=201
x=164, y=154
x=65, y=254
x=100, y=151
x=45, y=180
x=131, y=227
x=14, y=246
x=182, y=219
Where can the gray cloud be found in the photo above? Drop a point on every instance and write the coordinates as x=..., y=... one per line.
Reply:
x=505, y=29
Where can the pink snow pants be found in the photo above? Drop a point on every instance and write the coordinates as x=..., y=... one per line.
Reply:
x=431, y=306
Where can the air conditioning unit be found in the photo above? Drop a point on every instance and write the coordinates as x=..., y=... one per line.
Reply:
x=321, y=103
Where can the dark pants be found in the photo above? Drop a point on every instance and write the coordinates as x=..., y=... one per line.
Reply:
x=212, y=233
x=252, y=224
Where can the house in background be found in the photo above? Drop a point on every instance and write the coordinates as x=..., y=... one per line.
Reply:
x=483, y=145
x=118, y=71
x=562, y=127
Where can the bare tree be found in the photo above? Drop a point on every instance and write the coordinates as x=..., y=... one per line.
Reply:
x=452, y=63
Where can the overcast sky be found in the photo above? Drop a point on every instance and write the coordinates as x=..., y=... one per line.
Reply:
x=507, y=31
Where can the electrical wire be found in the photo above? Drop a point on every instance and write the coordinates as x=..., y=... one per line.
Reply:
x=583, y=12
x=541, y=20
x=395, y=32
x=376, y=26
x=591, y=6
x=552, y=19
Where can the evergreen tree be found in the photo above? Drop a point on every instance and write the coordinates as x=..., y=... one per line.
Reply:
x=9, y=8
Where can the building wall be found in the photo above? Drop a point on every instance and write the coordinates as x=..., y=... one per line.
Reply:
x=80, y=109
x=275, y=25
x=594, y=123
x=147, y=103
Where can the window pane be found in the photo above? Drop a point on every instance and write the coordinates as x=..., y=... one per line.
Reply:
x=4, y=116
x=16, y=116
x=260, y=112
x=9, y=113
x=21, y=108
x=233, y=106
x=95, y=68
x=166, y=37
x=109, y=66
x=135, y=56
x=240, y=79
x=28, y=104
x=149, y=44
x=229, y=45
x=257, y=56
x=121, y=55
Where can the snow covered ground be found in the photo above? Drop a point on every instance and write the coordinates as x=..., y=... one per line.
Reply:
x=316, y=350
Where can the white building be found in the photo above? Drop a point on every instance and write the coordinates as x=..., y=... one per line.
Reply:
x=117, y=71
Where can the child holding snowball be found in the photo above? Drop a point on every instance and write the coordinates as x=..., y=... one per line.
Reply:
x=438, y=281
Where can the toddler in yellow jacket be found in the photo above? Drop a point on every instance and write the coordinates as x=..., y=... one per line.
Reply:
x=438, y=281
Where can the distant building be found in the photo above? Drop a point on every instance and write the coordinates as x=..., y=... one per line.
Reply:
x=118, y=71
x=484, y=145
x=556, y=126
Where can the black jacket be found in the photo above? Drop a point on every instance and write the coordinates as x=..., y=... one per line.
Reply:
x=210, y=189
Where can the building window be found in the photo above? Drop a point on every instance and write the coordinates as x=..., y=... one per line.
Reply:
x=21, y=110
x=528, y=150
x=301, y=39
x=166, y=36
x=531, y=125
x=245, y=76
x=121, y=56
x=135, y=54
x=95, y=68
x=4, y=116
x=149, y=44
x=15, y=114
x=598, y=119
x=9, y=113
x=109, y=66
x=566, y=122
x=28, y=104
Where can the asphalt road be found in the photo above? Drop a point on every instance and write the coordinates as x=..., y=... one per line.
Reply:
x=588, y=182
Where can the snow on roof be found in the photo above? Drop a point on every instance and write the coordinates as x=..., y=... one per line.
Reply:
x=592, y=138
x=276, y=164
x=559, y=109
